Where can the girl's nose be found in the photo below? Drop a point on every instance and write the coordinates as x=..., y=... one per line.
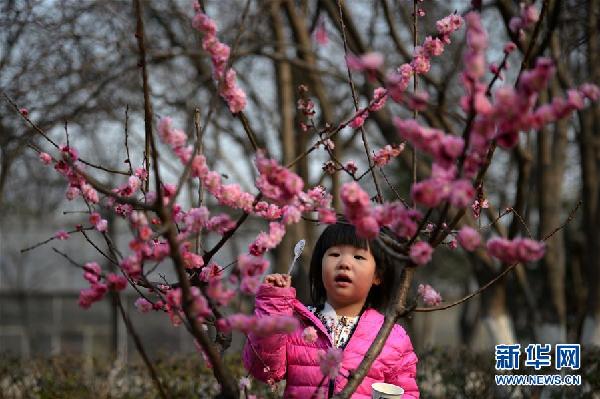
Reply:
x=344, y=262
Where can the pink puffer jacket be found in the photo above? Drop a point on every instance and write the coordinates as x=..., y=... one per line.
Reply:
x=288, y=356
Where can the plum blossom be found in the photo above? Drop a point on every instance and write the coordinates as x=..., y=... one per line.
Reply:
x=327, y=216
x=468, y=238
x=275, y=181
x=252, y=266
x=384, y=155
x=366, y=62
x=250, y=285
x=93, y=294
x=45, y=158
x=143, y=305
x=260, y=326
x=379, y=99
x=210, y=272
x=517, y=250
x=330, y=361
x=309, y=335
x=61, y=235
x=430, y=296
x=321, y=33
x=92, y=272
x=357, y=210
x=429, y=192
x=359, y=119
x=401, y=220
x=420, y=253
x=351, y=167
x=219, y=293
x=265, y=241
x=529, y=15
x=219, y=54
x=116, y=282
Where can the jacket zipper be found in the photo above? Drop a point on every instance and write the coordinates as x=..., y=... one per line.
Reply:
x=332, y=381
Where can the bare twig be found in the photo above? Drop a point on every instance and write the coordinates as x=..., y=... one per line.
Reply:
x=356, y=107
x=506, y=271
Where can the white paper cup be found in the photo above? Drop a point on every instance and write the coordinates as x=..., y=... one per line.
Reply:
x=382, y=390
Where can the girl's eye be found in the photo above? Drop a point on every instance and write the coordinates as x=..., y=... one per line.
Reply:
x=359, y=257
x=334, y=254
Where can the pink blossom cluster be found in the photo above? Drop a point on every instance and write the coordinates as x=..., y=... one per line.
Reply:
x=321, y=36
x=357, y=209
x=517, y=250
x=513, y=111
x=330, y=361
x=99, y=224
x=420, y=253
x=401, y=220
x=448, y=25
x=529, y=16
x=259, y=326
x=379, y=99
x=368, y=220
x=275, y=181
x=143, y=305
x=219, y=292
x=219, y=55
x=430, y=296
x=398, y=81
x=368, y=62
x=61, y=235
x=351, y=167
x=45, y=158
x=431, y=192
x=93, y=294
x=147, y=248
x=478, y=205
x=385, y=155
x=267, y=240
x=175, y=138
x=475, y=99
x=199, y=308
x=68, y=166
x=251, y=268
x=130, y=188
x=444, y=148
x=191, y=260
x=468, y=238
x=309, y=335
x=359, y=118
x=93, y=274
x=307, y=106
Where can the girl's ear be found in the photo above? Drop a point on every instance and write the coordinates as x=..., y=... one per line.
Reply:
x=376, y=280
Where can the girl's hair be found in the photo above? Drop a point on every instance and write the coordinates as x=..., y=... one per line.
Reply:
x=343, y=233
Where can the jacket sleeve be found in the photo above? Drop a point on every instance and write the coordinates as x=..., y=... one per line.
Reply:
x=265, y=357
x=403, y=371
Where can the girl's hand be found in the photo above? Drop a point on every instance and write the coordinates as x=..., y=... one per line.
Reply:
x=279, y=280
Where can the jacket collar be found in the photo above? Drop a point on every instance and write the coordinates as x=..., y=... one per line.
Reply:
x=369, y=318
x=304, y=312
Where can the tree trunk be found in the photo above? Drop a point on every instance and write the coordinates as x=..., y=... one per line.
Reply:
x=590, y=163
x=551, y=162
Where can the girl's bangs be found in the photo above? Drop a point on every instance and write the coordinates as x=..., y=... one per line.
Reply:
x=341, y=234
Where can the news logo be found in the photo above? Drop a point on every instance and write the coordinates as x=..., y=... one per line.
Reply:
x=538, y=357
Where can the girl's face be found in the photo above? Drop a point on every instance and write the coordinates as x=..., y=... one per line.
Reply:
x=348, y=273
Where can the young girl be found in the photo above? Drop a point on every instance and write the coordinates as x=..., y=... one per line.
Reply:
x=349, y=278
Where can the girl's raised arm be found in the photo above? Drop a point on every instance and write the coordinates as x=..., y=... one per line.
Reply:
x=265, y=357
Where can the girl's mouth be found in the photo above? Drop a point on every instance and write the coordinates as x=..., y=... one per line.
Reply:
x=342, y=280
